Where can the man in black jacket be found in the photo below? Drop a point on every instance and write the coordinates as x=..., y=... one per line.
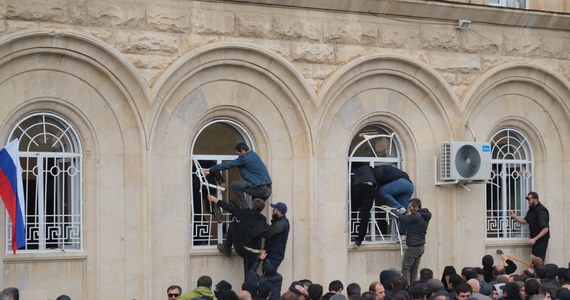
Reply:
x=417, y=221
x=245, y=235
x=277, y=234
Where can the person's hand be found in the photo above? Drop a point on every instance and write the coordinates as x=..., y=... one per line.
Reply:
x=262, y=254
x=504, y=256
x=302, y=290
x=511, y=214
x=223, y=184
x=213, y=199
x=531, y=242
x=206, y=171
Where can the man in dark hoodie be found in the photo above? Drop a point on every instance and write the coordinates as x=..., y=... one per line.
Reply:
x=417, y=221
x=270, y=275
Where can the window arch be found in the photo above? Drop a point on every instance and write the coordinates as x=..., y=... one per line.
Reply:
x=214, y=144
x=51, y=159
x=373, y=145
x=510, y=183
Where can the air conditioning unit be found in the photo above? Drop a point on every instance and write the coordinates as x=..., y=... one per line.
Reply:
x=465, y=161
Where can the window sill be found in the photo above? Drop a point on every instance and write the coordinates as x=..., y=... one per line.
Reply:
x=42, y=257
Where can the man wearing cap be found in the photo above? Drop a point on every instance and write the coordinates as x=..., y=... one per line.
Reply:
x=277, y=234
x=221, y=287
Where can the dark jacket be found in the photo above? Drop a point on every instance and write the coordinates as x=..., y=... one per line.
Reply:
x=276, y=238
x=417, y=226
x=363, y=174
x=248, y=231
x=387, y=174
x=270, y=276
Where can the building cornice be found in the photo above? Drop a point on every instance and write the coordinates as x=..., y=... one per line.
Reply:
x=429, y=9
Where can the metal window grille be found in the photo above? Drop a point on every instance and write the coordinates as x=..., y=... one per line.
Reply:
x=374, y=146
x=214, y=144
x=511, y=182
x=51, y=159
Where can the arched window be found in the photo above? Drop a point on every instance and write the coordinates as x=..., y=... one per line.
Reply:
x=51, y=160
x=214, y=144
x=373, y=145
x=511, y=182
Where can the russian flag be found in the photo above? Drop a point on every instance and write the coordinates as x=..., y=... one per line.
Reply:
x=12, y=192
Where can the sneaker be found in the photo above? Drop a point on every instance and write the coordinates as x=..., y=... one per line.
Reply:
x=225, y=252
x=401, y=210
x=401, y=239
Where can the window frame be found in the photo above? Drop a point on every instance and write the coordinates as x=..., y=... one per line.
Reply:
x=67, y=215
x=378, y=217
x=205, y=219
x=517, y=182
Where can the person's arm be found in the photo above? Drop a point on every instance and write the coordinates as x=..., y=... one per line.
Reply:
x=517, y=218
x=274, y=229
x=222, y=204
x=238, y=162
x=538, y=236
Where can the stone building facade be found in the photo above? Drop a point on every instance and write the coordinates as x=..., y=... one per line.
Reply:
x=137, y=85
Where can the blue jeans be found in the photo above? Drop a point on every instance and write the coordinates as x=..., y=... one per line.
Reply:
x=397, y=194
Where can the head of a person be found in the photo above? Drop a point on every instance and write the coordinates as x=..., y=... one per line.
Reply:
x=468, y=273
x=386, y=278
x=315, y=291
x=531, y=287
x=455, y=280
x=400, y=284
x=414, y=205
x=511, y=290
x=250, y=286
x=419, y=292
x=5, y=296
x=532, y=198
x=63, y=297
x=205, y=281
x=368, y=296
x=279, y=209
x=536, y=261
x=173, y=292
x=353, y=289
x=488, y=261
x=13, y=292
x=447, y=271
x=475, y=285
x=435, y=285
x=244, y=295
x=268, y=269
x=221, y=287
x=257, y=204
x=228, y=295
x=463, y=291
x=498, y=270
x=378, y=289
x=426, y=274
x=440, y=295
x=241, y=148
x=336, y=286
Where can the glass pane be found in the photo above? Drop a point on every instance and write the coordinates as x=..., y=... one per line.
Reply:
x=219, y=139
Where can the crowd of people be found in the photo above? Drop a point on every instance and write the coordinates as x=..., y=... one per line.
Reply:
x=489, y=281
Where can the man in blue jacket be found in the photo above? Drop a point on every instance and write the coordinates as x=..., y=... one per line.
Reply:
x=255, y=179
